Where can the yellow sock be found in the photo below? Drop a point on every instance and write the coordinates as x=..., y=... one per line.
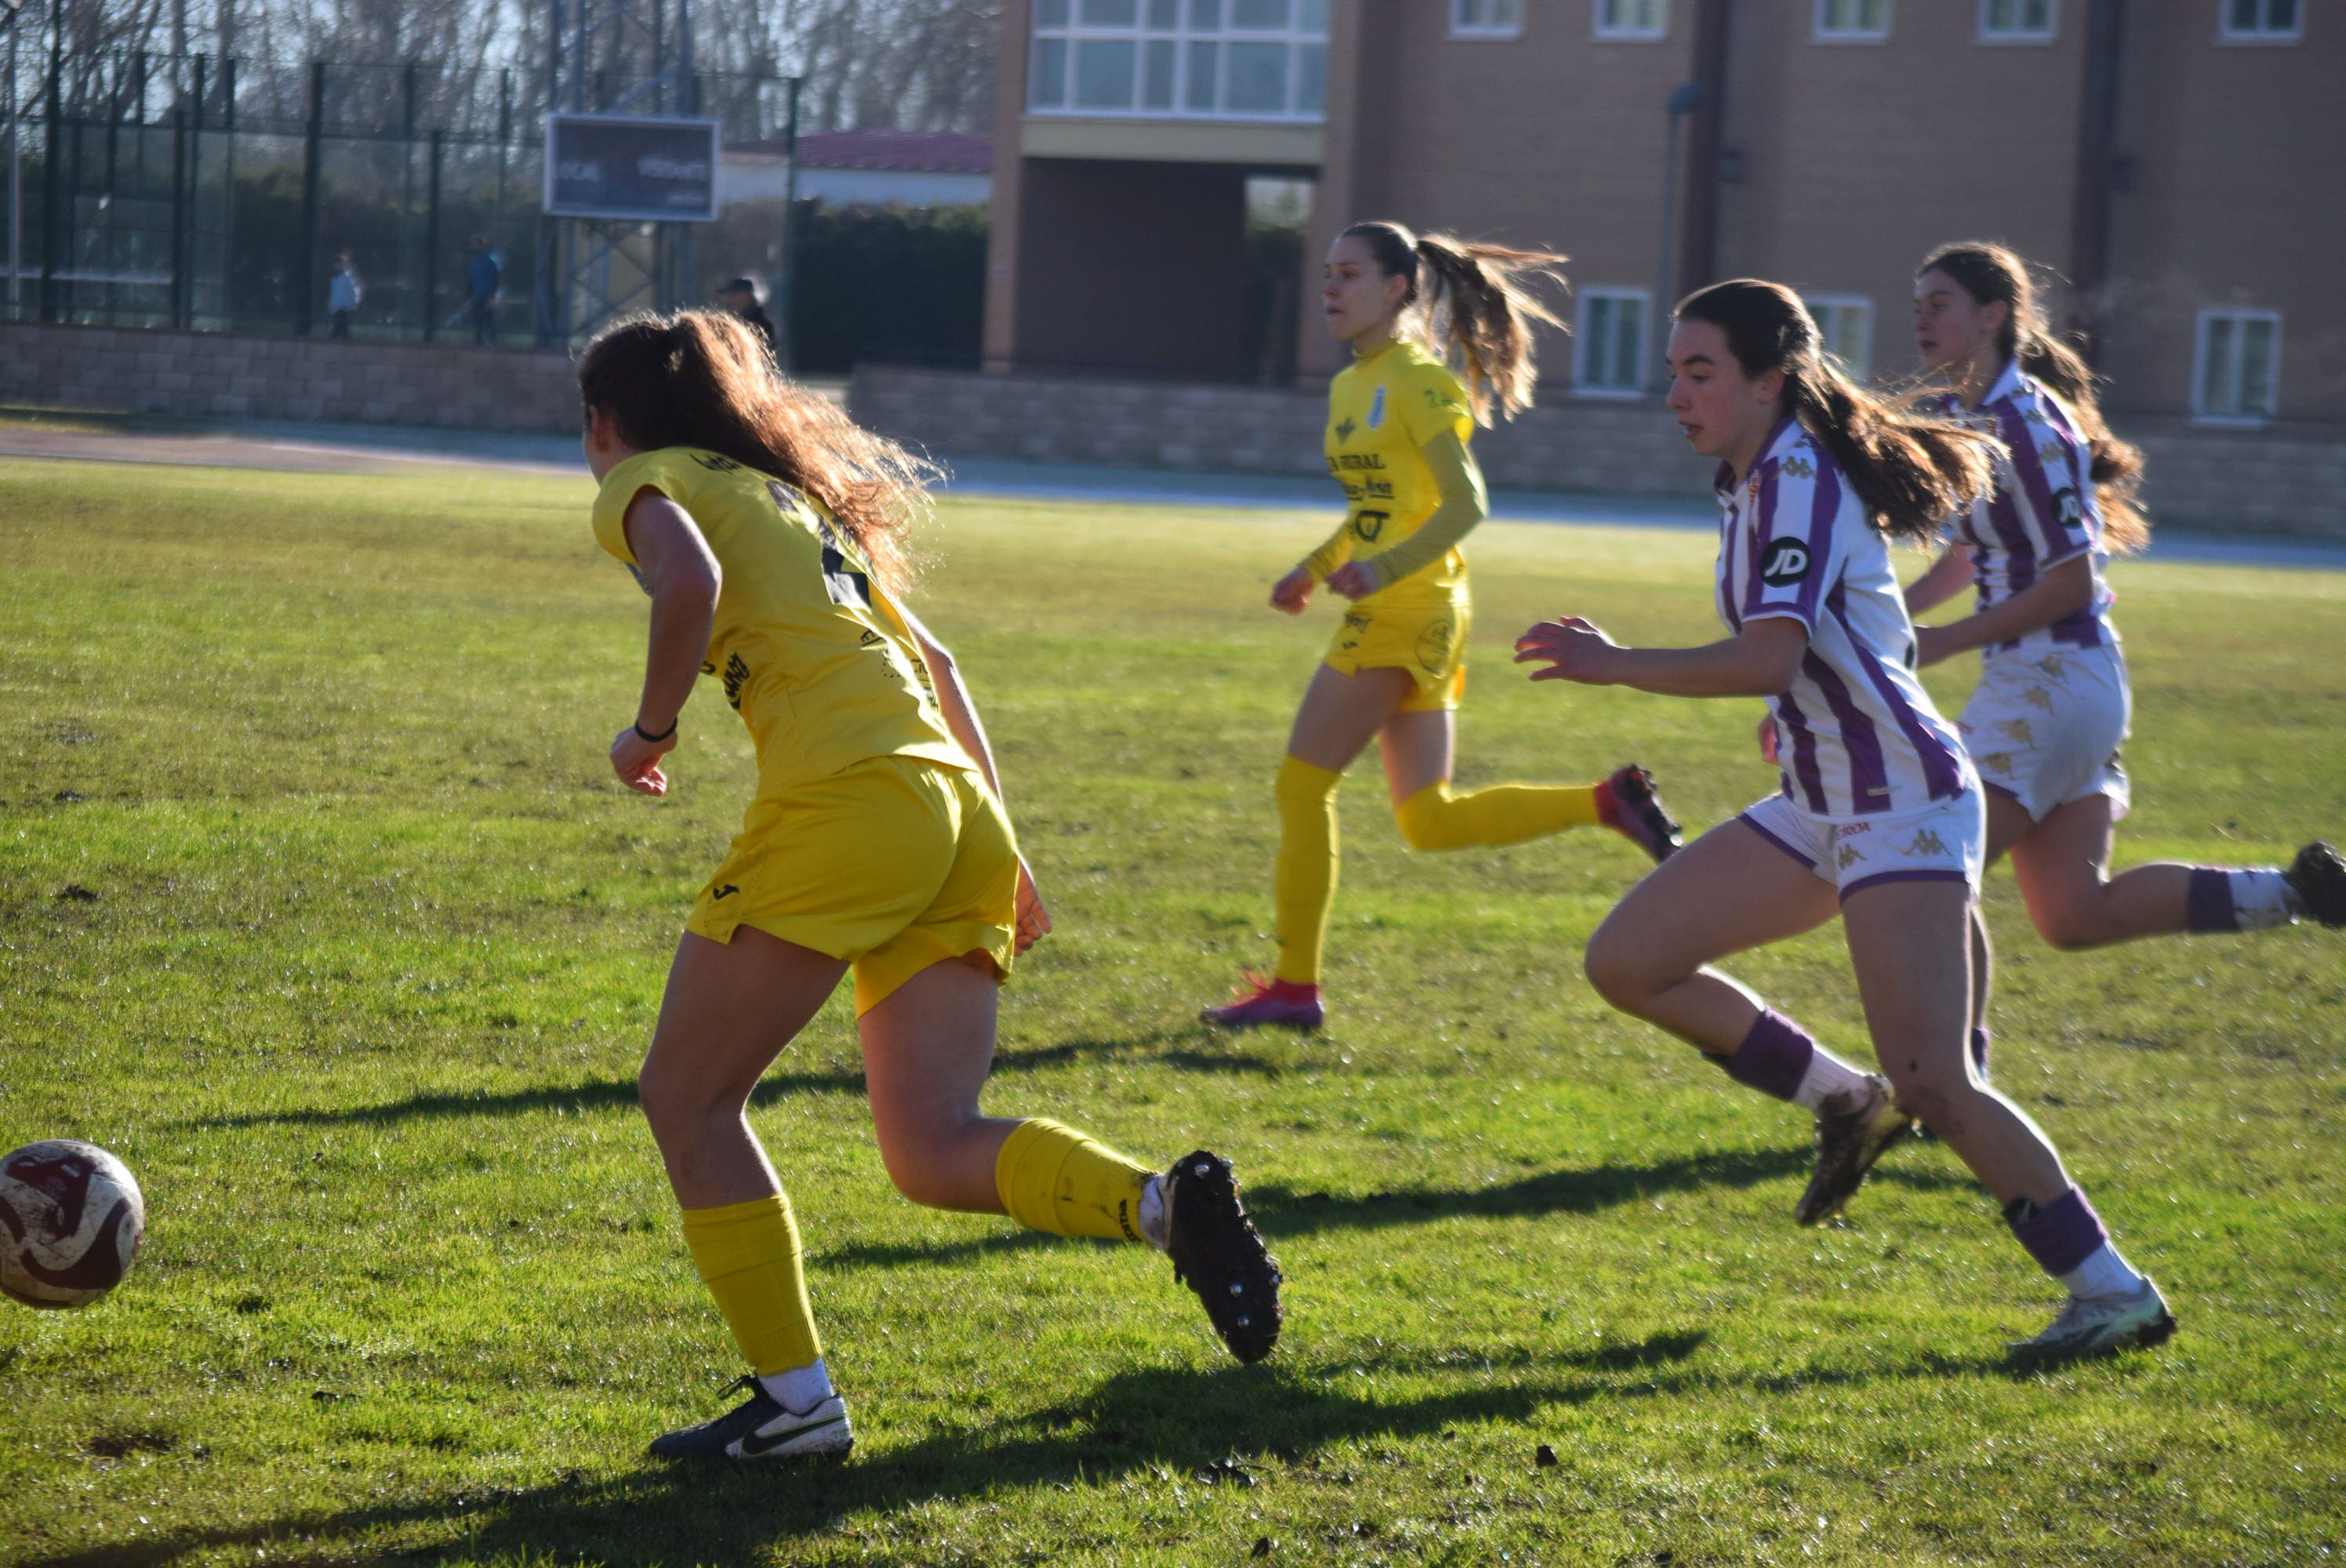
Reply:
x=1436, y=818
x=747, y=1255
x=1303, y=885
x=1054, y=1178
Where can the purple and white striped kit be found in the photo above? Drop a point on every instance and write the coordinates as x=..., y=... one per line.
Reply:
x=1857, y=733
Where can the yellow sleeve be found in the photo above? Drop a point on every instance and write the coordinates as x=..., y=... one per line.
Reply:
x=1433, y=405
x=662, y=471
x=1463, y=503
x=1332, y=554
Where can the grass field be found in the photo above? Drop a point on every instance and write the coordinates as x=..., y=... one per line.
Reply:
x=319, y=904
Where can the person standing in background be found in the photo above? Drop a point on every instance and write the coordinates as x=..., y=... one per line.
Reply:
x=486, y=275
x=746, y=297
x=342, y=295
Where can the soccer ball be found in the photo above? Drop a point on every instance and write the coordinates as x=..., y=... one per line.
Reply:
x=71, y=1219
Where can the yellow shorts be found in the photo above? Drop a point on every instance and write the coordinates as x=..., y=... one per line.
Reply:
x=1427, y=640
x=894, y=864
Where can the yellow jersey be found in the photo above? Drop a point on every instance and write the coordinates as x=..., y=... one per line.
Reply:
x=812, y=655
x=1381, y=411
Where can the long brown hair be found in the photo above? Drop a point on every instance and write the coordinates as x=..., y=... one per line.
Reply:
x=701, y=378
x=1911, y=470
x=1478, y=305
x=1993, y=275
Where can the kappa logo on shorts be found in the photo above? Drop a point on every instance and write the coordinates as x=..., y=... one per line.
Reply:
x=2037, y=697
x=2053, y=667
x=1926, y=843
x=1848, y=855
x=2017, y=731
x=1995, y=762
x=1786, y=562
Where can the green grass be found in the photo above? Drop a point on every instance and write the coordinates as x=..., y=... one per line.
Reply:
x=377, y=941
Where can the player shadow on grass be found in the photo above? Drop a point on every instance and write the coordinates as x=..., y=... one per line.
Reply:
x=1229, y=1426
x=1281, y=1212
x=612, y=1093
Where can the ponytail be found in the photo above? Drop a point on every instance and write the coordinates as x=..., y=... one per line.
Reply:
x=1911, y=470
x=700, y=378
x=1992, y=274
x=1479, y=307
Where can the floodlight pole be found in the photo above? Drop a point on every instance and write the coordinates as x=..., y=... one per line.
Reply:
x=1682, y=103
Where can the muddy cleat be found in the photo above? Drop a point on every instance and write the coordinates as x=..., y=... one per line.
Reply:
x=763, y=1428
x=1218, y=1253
x=2098, y=1325
x=1259, y=1000
x=2317, y=877
x=1853, y=1127
x=1629, y=807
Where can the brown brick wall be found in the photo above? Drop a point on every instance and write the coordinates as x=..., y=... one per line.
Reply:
x=2248, y=482
x=209, y=375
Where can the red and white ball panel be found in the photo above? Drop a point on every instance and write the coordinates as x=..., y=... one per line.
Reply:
x=71, y=1221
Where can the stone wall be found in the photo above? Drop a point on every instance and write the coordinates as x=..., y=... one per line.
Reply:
x=214, y=375
x=2291, y=481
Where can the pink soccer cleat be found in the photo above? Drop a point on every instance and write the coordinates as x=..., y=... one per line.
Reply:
x=1260, y=1000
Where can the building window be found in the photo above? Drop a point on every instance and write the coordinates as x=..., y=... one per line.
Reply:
x=2258, y=22
x=2018, y=21
x=1845, y=321
x=1633, y=21
x=1180, y=59
x=1486, y=18
x=1609, y=353
x=1852, y=21
x=2236, y=377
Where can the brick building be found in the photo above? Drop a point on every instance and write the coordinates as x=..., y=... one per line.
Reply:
x=2177, y=160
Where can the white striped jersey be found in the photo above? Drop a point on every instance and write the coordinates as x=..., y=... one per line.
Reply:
x=1855, y=731
x=2044, y=510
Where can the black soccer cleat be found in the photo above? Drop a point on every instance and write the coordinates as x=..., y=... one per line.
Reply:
x=2317, y=877
x=760, y=1428
x=1853, y=1128
x=1637, y=814
x=1219, y=1254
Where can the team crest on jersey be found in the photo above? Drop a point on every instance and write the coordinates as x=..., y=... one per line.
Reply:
x=1434, y=644
x=1786, y=562
x=1377, y=408
x=1344, y=428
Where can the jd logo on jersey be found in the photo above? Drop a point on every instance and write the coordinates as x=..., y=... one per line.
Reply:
x=1786, y=562
x=2067, y=508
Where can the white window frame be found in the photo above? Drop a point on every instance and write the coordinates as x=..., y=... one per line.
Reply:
x=2260, y=35
x=1585, y=296
x=1824, y=32
x=1989, y=33
x=1140, y=34
x=1493, y=31
x=1617, y=32
x=1858, y=370
x=2200, y=413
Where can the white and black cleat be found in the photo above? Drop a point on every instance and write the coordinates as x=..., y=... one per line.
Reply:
x=763, y=1428
x=1219, y=1254
x=1853, y=1127
x=2100, y=1324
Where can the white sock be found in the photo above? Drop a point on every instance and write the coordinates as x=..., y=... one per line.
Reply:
x=1154, y=1223
x=2262, y=897
x=1826, y=1074
x=799, y=1388
x=2105, y=1273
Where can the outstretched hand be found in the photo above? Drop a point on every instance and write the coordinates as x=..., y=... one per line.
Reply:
x=1292, y=592
x=1571, y=648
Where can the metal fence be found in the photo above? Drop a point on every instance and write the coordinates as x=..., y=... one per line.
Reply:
x=197, y=191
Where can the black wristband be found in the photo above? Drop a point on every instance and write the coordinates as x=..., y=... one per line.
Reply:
x=648, y=738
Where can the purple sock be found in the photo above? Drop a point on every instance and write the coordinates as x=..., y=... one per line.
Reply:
x=1772, y=1057
x=2207, y=906
x=2060, y=1236
x=1979, y=1050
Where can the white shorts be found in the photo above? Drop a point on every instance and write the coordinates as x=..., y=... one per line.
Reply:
x=1943, y=841
x=2045, y=730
